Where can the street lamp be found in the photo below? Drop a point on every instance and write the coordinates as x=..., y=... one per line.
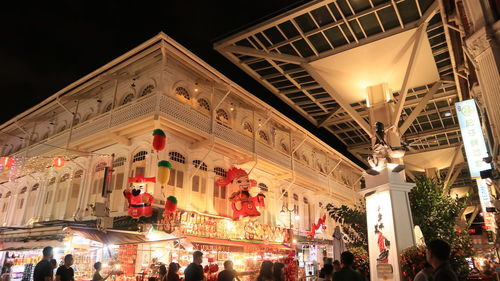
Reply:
x=294, y=210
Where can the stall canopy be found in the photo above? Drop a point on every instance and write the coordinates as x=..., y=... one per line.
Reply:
x=110, y=236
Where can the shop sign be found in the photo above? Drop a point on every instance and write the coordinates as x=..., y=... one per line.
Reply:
x=485, y=199
x=217, y=248
x=472, y=135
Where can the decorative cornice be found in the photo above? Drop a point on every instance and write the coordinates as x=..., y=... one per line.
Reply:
x=479, y=42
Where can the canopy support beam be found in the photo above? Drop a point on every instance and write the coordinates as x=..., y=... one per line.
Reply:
x=420, y=106
x=419, y=36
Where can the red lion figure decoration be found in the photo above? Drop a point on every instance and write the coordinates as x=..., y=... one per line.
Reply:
x=243, y=204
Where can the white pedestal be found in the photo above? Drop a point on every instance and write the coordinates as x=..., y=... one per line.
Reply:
x=390, y=225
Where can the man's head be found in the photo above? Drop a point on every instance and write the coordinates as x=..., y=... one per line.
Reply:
x=336, y=265
x=428, y=268
x=48, y=252
x=329, y=261
x=197, y=257
x=324, y=260
x=347, y=258
x=438, y=251
x=228, y=265
x=53, y=262
x=97, y=266
x=68, y=260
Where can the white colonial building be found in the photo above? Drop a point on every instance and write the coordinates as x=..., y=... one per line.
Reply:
x=212, y=124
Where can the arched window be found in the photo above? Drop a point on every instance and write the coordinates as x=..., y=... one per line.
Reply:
x=199, y=182
x=263, y=136
x=139, y=164
x=140, y=156
x=304, y=157
x=62, y=128
x=284, y=148
x=177, y=157
x=177, y=171
x=52, y=181
x=35, y=187
x=247, y=128
x=78, y=174
x=263, y=187
x=147, y=90
x=87, y=116
x=76, y=121
x=182, y=92
x=128, y=98
x=107, y=108
x=203, y=103
x=196, y=164
x=222, y=116
x=8, y=194
x=120, y=161
x=64, y=178
x=23, y=190
x=100, y=167
x=220, y=171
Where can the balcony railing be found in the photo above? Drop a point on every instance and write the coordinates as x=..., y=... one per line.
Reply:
x=188, y=117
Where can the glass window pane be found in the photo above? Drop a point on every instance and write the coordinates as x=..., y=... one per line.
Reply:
x=171, y=180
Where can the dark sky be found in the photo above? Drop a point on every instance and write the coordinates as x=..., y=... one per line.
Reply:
x=46, y=45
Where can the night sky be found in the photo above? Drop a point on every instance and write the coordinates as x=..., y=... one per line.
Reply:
x=46, y=45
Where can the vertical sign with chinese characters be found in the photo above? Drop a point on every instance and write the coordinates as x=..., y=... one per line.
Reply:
x=485, y=199
x=472, y=135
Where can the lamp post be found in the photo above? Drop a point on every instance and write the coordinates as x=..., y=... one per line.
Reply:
x=294, y=210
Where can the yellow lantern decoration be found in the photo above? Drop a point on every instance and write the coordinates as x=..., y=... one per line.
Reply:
x=163, y=172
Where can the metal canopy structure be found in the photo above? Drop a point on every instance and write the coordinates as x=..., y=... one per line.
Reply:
x=317, y=56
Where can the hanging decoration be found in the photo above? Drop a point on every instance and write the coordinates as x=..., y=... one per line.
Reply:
x=58, y=162
x=163, y=175
x=316, y=226
x=159, y=140
x=211, y=269
x=171, y=205
x=244, y=205
x=139, y=202
x=7, y=162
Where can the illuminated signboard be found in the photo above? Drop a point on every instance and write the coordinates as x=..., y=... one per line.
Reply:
x=472, y=135
x=485, y=199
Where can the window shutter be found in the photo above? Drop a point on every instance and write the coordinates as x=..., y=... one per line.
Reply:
x=119, y=181
x=216, y=190
x=171, y=180
x=180, y=179
x=203, y=185
x=74, y=190
x=196, y=183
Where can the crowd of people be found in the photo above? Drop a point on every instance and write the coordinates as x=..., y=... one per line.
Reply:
x=437, y=268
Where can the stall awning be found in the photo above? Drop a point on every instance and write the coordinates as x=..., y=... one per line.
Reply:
x=211, y=244
x=116, y=237
x=108, y=237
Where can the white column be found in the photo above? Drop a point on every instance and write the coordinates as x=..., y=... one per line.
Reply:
x=390, y=225
x=25, y=205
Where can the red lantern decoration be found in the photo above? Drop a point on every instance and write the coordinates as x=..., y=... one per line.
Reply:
x=159, y=139
x=7, y=162
x=171, y=205
x=58, y=162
